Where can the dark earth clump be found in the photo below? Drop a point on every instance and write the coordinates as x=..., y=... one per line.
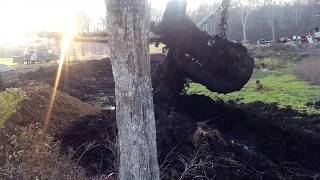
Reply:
x=212, y=139
x=220, y=65
x=92, y=142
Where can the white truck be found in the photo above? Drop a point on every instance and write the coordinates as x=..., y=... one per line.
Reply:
x=33, y=56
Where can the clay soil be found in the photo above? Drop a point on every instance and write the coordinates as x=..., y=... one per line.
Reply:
x=198, y=138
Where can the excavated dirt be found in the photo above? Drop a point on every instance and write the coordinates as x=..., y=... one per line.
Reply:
x=32, y=113
x=95, y=76
x=225, y=141
x=34, y=108
x=90, y=81
x=217, y=140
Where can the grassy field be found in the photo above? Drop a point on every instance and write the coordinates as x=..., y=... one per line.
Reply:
x=279, y=85
x=7, y=61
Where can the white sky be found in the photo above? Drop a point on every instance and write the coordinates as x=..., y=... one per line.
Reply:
x=17, y=16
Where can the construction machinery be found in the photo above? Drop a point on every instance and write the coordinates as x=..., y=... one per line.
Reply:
x=209, y=19
x=32, y=56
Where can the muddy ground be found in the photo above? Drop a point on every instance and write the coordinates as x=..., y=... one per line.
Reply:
x=198, y=138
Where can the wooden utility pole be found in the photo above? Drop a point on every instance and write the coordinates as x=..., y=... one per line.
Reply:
x=128, y=29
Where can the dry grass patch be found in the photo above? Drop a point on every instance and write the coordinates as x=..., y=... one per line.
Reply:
x=309, y=69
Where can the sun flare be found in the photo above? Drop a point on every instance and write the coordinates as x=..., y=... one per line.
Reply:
x=68, y=36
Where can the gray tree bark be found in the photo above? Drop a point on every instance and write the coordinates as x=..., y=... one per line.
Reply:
x=244, y=15
x=128, y=28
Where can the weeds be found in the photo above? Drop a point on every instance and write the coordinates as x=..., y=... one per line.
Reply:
x=309, y=70
x=34, y=157
x=167, y=162
x=192, y=165
x=269, y=63
x=9, y=101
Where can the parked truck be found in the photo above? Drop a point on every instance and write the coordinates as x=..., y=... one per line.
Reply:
x=32, y=56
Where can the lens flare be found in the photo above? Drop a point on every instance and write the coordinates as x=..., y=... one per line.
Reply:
x=67, y=41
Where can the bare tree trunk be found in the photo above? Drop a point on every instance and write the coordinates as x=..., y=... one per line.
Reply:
x=244, y=18
x=272, y=24
x=244, y=31
x=273, y=30
x=128, y=24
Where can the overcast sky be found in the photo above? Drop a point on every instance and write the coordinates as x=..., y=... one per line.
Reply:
x=24, y=15
x=18, y=16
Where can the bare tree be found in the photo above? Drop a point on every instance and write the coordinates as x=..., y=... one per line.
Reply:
x=244, y=10
x=128, y=28
x=156, y=15
x=269, y=6
x=84, y=25
x=268, y=19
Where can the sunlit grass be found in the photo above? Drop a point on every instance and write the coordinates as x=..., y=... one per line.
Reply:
x=281, y=87
x=7, y=61
x=9, y=101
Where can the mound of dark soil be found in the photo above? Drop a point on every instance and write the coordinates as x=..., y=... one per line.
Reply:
x=34, y=108
x=31, y=115
x=95, y=76
x=90, y=81
x=213, y=140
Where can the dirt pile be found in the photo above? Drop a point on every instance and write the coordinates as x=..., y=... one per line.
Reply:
x=21, y=137
x=96, y=79
x=34, y=108
x=90, y=81
x=198, y=137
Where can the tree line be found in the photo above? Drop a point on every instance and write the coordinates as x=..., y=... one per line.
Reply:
x=263, y=19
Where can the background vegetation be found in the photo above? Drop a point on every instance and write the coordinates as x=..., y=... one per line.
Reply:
x=278, y=83
x=9, y=101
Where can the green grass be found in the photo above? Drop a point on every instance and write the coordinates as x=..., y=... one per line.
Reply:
x=270, y=63
x=281, y=87
x=7, y=61
x=279, y=52
x=9, y=101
